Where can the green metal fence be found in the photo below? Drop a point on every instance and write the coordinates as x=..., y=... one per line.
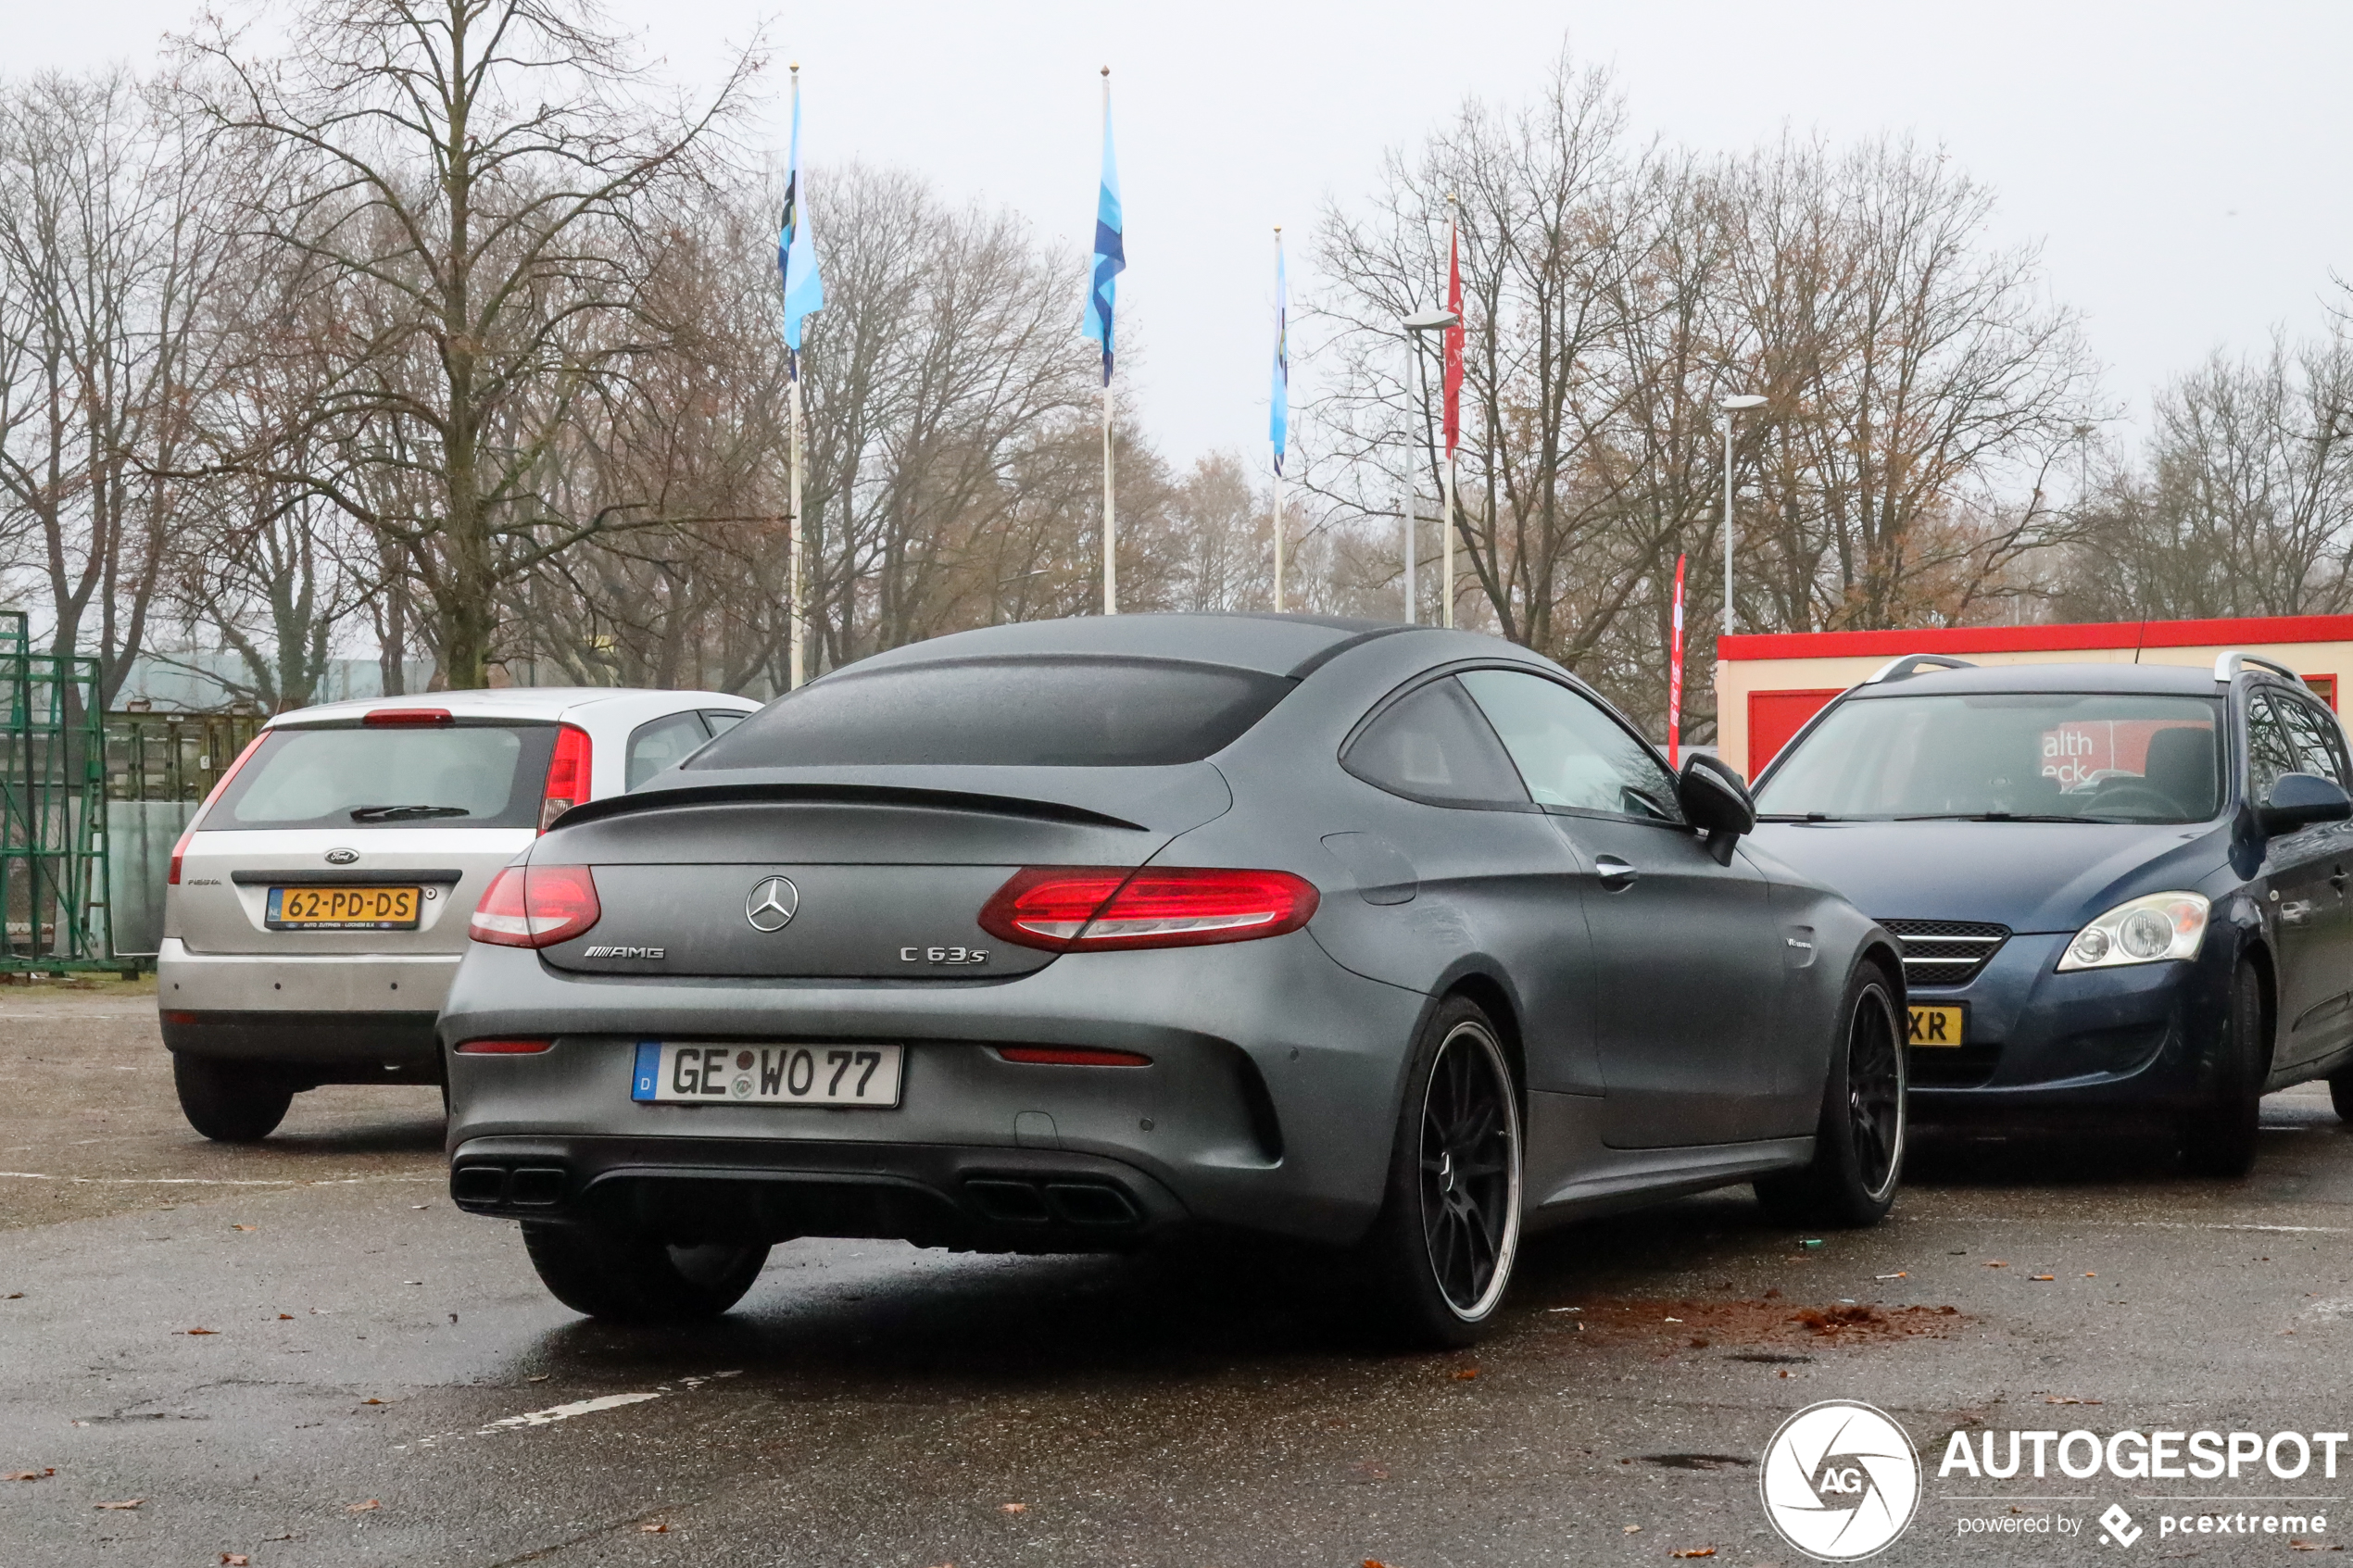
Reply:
x=158, y=768
x=54, y=910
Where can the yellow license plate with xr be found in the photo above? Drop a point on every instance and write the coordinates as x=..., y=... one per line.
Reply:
x=342, y=909
x=1934, y=1025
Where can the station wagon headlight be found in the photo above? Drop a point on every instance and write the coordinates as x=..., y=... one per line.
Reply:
x=2150, y=929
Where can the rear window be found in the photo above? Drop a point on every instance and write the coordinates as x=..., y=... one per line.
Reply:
x=477, y=776
x=1005, y=713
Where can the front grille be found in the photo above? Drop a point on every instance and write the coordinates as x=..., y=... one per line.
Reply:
x=1947, y=952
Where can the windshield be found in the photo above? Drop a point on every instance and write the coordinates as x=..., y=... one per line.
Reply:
x=1005, y=713
x=466, y=776
x=2074, y=755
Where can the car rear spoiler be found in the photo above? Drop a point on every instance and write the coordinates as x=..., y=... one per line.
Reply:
x=1911, y=664
x=838, y=794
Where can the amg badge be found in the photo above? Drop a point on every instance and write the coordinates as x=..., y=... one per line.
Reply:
x=620, y=952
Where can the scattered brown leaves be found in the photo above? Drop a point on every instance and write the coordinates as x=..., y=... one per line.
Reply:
x=235, y=1560
x=1013, y=1507
x=199, y=1331
x=372, y=1402
x=245, y=1227
x=367, y=1507
x=1465, y=1375
x=1669, y=1327
x=30, y=1475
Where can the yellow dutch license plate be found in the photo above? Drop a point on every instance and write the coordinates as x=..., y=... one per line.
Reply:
x=1934, y=1025
x=342, y=909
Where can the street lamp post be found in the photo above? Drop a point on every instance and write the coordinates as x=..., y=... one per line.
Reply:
x=1416, y=325
x=1732, y=406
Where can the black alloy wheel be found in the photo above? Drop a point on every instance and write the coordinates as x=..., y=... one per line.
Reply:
x=1875, y=1090
x=1470, y=1169
x=1439, y=1255
x=1858, y=1144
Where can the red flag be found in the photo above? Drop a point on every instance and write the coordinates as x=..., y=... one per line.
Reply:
x=1454, y=341
x=1675, y=676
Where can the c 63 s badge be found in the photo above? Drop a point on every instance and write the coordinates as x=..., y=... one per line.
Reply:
x=622, y=952
x=943, y=956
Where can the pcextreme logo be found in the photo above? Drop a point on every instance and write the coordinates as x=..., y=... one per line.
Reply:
x=1839, y=1480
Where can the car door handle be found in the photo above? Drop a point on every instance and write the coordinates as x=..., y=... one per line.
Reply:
x=1616, y=875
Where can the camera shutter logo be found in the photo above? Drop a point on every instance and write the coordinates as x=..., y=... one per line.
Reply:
x=1839, y=1480
x=772, y=903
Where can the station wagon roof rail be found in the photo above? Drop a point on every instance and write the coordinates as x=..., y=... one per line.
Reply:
x=2231, y=663
x=1911, y=664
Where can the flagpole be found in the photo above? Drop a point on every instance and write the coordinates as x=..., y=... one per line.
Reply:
x=1453, y=230
x=1278, y=451
x=1110, y=529
x=792, y=403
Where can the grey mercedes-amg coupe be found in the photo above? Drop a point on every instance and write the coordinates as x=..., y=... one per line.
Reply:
x=1066, y=935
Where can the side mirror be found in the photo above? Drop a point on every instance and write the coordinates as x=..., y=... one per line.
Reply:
x=1715, y=801
x=2300, y=799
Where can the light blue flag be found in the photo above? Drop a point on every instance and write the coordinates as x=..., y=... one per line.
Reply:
x=1111, y=253
x=797, y=249
x=1278, y=416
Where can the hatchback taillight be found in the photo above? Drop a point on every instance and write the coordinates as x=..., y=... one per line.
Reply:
x=567, y=783
x=536, y=906
x=179, y=850
x=1078, y=909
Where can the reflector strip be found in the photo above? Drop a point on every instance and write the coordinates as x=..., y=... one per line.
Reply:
x=1073, y=1055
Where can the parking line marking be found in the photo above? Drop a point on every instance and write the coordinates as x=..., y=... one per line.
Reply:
x=2293, y=1230
x=208, y=1181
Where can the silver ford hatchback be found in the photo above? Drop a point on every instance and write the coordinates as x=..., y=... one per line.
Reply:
x=317, y=906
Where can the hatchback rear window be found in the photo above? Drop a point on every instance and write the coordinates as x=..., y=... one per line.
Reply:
x=1034, y=712
x=464, y=775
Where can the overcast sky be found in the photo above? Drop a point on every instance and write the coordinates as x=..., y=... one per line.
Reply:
x=2181, y=164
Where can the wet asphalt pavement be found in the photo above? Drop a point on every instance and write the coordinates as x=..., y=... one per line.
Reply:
x=382, y=1380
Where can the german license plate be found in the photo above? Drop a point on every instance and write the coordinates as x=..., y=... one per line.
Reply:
x=342, y=909
x=701, y=1072
x=1934, y=1025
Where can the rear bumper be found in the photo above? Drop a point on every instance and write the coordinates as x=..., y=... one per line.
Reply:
x=314, y=1048
x=700, y=1190
x=316, y=983
x=1269, y=1104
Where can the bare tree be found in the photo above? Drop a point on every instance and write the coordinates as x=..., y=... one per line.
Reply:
x=487, y=175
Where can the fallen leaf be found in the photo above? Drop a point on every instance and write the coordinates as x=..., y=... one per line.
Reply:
x=132, y=1502
x=199, y=1331
x=372, y=1402
x=363, y=1506
x=1699, y=1342
x=13, y=1296
x=1465, y=1375
x=2089, y=1274
x=1013, y=1507
x=1694, y=1552
x=285, y=1317
x=649, y=1529
x=1784, y=1371
x=29, y=1474
x=235, y=1560
x=1369, y=1563
x=245, y=1227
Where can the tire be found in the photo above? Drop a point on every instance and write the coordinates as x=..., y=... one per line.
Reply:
x=2219, y=1140
x=1439, y=1255
x=639, y=1279
x=230, y=1101
x=2341, y=1096
x=1859, y=1143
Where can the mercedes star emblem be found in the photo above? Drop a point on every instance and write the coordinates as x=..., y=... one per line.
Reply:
x=771, y=904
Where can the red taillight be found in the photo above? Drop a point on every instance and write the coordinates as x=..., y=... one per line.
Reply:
x=1073, y=1055
x=504, y=1047
x=567, y=774
x=382, y=717
x=1078, y=909
x=536, y=906
x=180, y=848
